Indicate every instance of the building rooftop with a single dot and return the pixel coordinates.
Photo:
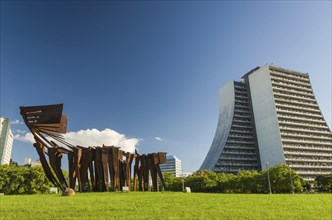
(172, 157)
(275, 68)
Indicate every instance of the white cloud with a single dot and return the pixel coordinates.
(28, 137)
(20, 131)
(93, 137)
(159, 138)
(16, 122)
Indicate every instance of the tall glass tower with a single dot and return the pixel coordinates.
(270, 116)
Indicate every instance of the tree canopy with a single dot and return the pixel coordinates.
(324, 183)
(283, 180)
(23, 180)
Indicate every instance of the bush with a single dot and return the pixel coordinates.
(244, 182)
(23, 180)
(324, 183)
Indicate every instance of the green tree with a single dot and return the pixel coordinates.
(226, 183)
(324, 183)
(202, 181)
(23, 180)
(172, 183)
(247, 182)
(284, 180)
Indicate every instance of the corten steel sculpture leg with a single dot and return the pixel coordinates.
(141, 174)
(152, 161)
(86, 160)
(136, 170)
(145, 171)
(77, 166)
(122, 166)
(71, 172)
(111, 167)
(121, 169)
(83, 169)
(99, 170)
(55, 161)
(129, 160)
(105, 151)
(47, 169)
(162, 159)
(92, 169)
(55, 156)
(116, 168)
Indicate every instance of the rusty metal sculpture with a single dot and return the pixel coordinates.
(105, 168)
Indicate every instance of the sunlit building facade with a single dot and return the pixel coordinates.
(270, 116)
(6, 141)
(173, 165)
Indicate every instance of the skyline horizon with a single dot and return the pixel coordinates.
(134, 141)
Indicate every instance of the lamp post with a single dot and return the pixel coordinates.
(291, 179)
(182, 175)
(268, 177)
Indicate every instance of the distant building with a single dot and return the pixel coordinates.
(35, 163)
(27, 161)
(6, 141)
(173, 165)
(270, 117)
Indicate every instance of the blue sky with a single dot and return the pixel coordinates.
(151, 70)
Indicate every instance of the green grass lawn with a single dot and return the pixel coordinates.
(167, 205)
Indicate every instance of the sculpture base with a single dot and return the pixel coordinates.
(68, 192)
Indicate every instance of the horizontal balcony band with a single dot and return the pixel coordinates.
(240, 147)
(242, 121)
(239, 153)
(292, 91)
(310, 137)
(307, 167)
(305, 109)
(307, 142)
(241, 126)
(316, 115)
(326, 149)
(307, 160)
(239, 106)
(325, 132)
(238, 165)
(241, 136)
(302, 124)
(244, 116)
(222, 158)
(291, 80)
(292, 86)
(283, 100)
(287, 75)
(240, 142)
(242, 111)
(312, 154)
(313, 173)
(241, 131)
(298, 97)
(294, 118)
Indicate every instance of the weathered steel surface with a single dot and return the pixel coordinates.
(105, 168)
